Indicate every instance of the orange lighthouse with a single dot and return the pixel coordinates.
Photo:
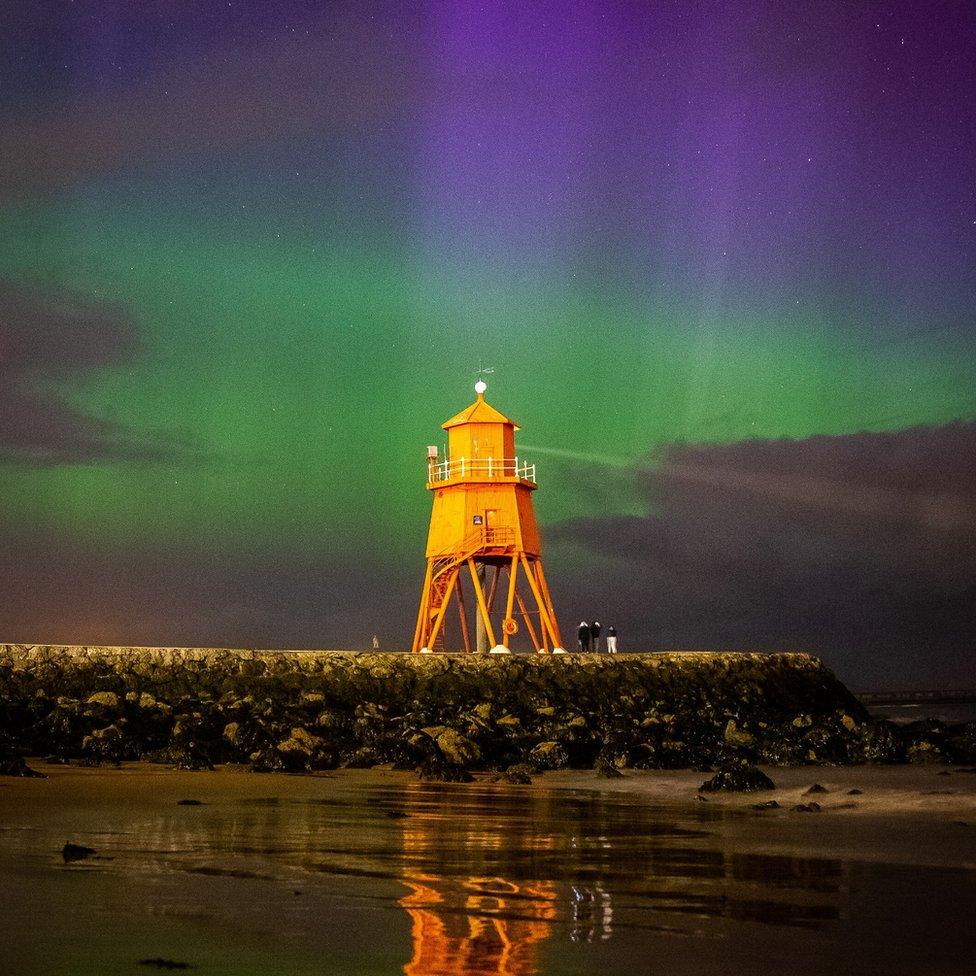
(483, 538)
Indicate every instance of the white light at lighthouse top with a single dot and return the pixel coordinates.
(480, 387)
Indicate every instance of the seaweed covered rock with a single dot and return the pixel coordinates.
(108, 744)
(455, 749)
(734, 736)
(960, 743)
(192, 744)
(104, 700)
(606, 768)
(878, 742)
(435, 768)
(445, 754)
(924, 741)
(548, 755)
(304, 751)
(519, 774)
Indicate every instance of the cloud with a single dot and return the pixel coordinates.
(336, 80)
(861, 548)
(47, 340)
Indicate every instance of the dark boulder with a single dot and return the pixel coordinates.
(303, 751)
(435, 769)
(924, 741)
(103, 701)
(76, 852)
(738, 779)
(265, 761)
(193, 740)
(607, 769)
(519, 774)
(960, 743)
(363, 758)
(879, 743)
(109, 744)
(548, 755)
(455, 749)
(16, 766)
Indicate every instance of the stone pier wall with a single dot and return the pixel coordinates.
(441, 714)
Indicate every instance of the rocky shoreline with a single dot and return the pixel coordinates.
(445, 716)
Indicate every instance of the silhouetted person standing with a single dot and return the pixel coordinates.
(612, 639)
(595, 635)
(583, 636)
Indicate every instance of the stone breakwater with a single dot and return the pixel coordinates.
(444, 716)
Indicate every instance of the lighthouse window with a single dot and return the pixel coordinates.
(478, 520)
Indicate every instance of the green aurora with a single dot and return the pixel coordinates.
(301, 382)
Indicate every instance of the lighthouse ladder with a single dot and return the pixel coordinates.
(443, 574)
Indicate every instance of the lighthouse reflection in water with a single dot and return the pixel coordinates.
(489, 923)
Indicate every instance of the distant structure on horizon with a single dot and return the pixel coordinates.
(483, 525)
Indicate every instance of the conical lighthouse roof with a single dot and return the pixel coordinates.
(480, 412)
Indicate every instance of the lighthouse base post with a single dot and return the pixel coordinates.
(442, 586)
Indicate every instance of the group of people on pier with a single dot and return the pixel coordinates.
(588, 637)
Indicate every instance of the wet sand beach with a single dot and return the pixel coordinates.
(377, 872)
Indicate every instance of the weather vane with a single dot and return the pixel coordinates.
(482, 372)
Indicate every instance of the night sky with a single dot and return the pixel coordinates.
(721, 257)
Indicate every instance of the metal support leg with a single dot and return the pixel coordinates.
(544, 623)
(479, 593)
(439, 619)
(536, 643)
(544, 587)
(462, 616)
(494, 589)
(420, 631)
(512, 573)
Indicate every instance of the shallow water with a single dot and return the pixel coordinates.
(901, 713)
(353, 875)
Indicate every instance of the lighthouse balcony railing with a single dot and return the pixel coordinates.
(453, 468)
(497, 536)
(486, 537)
